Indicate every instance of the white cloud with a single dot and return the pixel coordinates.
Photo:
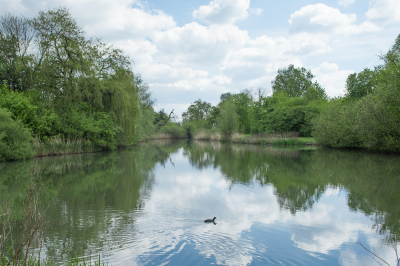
(345, 2)
(107, 19)
(223, 11)
(256, 63)
(384, 11)
(13, 7)
(194, 44)
(119, 19)
(331, 78)
(322, 19)
(256, 11)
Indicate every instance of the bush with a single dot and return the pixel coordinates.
(174, 129)
(14, 138)
(292, 119)
(190, 129)
(19, 106)
(43, 122)
(337, 127)
(97, 127)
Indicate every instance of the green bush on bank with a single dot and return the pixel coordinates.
(174, 130)
(14, 138)
(42, 122)
(292, 119)
(371, 120)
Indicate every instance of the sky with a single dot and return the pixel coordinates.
(190, 50)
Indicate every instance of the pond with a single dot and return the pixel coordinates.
(147, 205)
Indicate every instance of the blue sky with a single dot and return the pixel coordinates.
(186, 50)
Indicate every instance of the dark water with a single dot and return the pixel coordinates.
(146, 206)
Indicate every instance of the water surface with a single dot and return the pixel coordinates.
(146, 205)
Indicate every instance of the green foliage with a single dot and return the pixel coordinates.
(190, 129)
(20, 106)
(360, 84)
(292, 119)
(16, 64)
(197, 111)
(336, 127)
(212, 119)
(72, 87)
(315, 93)
(174, 130)
(287, 142)
(372, 119)
(243, 102)
(121, 101)
(42, 122)
(95, 126)
(14, 138)
(227, 120)
(293, 81)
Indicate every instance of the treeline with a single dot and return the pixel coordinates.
(295, 102)
(63, 92)
(367, 116)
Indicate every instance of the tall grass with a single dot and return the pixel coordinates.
(275, 139)
(203, 134)
(59, 145)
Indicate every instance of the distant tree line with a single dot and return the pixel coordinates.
(367, 116)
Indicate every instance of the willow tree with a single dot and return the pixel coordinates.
(85, 74)
(227, 121)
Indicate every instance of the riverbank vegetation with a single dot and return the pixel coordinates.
(367, 116)
(62, 92)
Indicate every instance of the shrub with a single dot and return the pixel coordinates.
(336, 127)
(14, 138)
(97, 127)
(43, 122)
(174, 130)
(292, 119)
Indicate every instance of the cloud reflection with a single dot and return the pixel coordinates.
(172, 222)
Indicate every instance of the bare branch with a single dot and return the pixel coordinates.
(358, 242)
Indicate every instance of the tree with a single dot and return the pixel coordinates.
(243, 103)
(293, 81)
(315, 92)
(227, 121)
(212, 119)
(14, 138)
(16, 37)
(359, 85)
(197, 111)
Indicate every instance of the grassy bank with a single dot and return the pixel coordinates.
(285, 139)
(59, 146)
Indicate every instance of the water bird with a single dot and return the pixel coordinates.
(210, 220)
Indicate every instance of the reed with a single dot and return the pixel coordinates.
(274, 139)
(59, 146)
(212, 135)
